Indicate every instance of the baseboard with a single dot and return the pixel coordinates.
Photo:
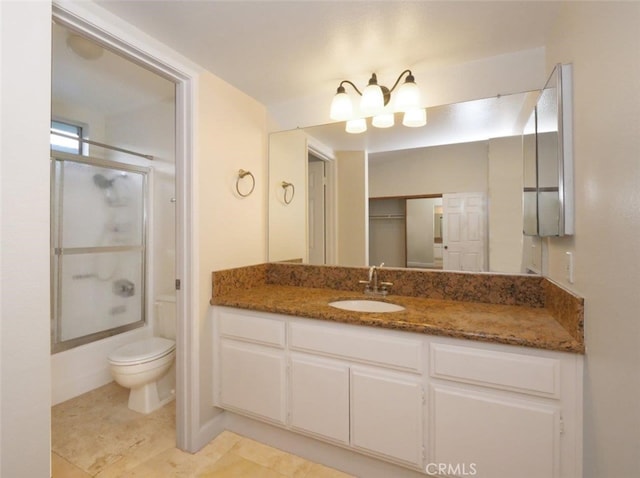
(68, 389)
(207, 432)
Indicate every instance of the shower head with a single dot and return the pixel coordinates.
(102, 182)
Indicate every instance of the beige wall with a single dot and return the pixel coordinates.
(288, 222)
(505, 204)
(353, 208)
(231, 132)
(603, 43)
(439, 169)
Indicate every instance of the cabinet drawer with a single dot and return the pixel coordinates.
(364, 346)
(252, 329)
(518, 372)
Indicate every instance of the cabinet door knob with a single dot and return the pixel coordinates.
(446, 247)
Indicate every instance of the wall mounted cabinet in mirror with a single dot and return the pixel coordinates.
(554, 150)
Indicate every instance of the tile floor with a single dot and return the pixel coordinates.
(96, 435)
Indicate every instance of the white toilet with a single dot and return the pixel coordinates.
(142, 364)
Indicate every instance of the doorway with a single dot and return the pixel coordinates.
(317, 207)
(181, 201)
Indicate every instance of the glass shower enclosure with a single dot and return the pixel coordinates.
(98, 249)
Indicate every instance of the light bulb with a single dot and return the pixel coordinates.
(415, 118)
(384, 120)
(355, 126)
(372, 102)
(408, 96)
(341, 106)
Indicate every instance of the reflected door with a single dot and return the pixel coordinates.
(464, 240)
(316, 212)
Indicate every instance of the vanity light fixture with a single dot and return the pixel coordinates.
(375, 101)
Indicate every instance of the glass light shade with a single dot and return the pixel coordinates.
(341, 107)
(384, 120)
(408, 97)
(355, 126)
(372, 101)
(415, 118)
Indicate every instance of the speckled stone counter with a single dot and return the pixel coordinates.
(518, 310)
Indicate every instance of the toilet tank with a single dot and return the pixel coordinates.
(165, 325)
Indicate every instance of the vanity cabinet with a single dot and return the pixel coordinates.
(499, 434)
(409, 399)
(503, 412)
(387, 414)
(252, 368)
(319, 397)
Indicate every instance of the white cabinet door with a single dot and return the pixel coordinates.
(319, 400)
(464, 235)
(253, 379)
(386, 414)
(496, 434)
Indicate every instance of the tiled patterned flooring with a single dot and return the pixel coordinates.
(95, 434)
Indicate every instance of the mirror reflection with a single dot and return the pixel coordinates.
(444, 196)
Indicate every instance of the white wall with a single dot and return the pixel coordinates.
(602, 41)
(439, 169)
(25, 29)
(505, 204)
(353, 208)
(420, 231)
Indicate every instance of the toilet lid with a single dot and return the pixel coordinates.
(142, 350)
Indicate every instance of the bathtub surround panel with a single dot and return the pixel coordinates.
(515, 310)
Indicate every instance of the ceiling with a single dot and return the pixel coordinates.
(276, 51)
(98, 84)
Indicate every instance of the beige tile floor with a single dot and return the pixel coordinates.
(96, 435)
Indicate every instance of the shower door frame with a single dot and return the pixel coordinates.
(57, 252)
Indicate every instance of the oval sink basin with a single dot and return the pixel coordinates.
(366, 306)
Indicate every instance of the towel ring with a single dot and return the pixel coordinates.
(241, 174)
(285, 185)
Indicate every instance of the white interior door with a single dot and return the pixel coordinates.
(316, 222)
(465, 232)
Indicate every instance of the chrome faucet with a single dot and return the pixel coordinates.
(373, 287)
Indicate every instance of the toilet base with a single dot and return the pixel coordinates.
(145, 399)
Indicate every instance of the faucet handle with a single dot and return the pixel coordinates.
(367, 282)
(386, 284)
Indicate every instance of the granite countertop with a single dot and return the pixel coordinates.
(506, 324)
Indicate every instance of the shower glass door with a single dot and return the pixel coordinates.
(98, 249)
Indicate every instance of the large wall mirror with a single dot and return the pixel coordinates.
(444, 196)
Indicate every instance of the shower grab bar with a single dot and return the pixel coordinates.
(103, 145)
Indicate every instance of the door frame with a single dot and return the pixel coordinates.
(107, 30)
(320, 151)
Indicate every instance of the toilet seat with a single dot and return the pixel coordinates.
(142, 351)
